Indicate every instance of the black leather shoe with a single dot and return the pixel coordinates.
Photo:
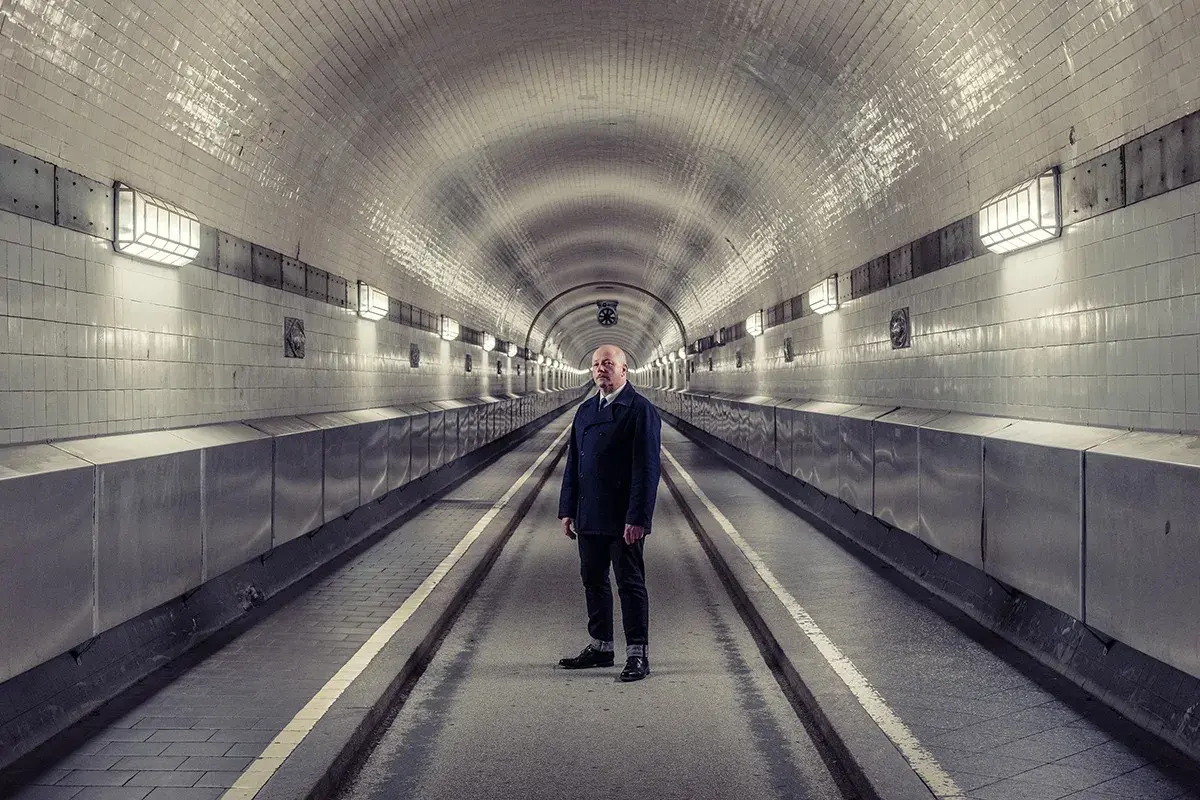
(590, 657)
(636, 668)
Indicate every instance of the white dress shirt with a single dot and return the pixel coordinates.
(606, 399)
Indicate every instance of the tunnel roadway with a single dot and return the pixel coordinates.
(494, 716)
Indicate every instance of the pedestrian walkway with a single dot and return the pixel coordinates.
(1001, 726)
(494, 716)
(189, 730)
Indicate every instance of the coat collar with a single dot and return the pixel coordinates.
(601, 415)
(624, 398)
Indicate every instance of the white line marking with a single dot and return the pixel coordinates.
(262, 768)
(920, 759)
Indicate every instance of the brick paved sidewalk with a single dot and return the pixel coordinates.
(187, 731)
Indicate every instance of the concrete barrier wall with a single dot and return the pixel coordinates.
(99, 531)
(1102, 524)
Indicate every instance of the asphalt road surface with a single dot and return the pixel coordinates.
(494, 716)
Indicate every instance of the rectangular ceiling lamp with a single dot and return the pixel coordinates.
(823, 297)
(1022, 216)
(754, 324)
(489, 342)
(154, 229)
(372, 302)
(512, 350)
(449, 328)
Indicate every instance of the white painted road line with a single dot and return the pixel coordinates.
(262, 768)
(921, 760)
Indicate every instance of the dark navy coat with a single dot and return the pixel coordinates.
(611, 478)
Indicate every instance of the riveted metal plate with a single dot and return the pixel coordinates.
(1163, 159)
(958, 241)
(316, 282)
(395, 310)
(844, 287)
(339, 291)
(900, 264)
(26, 185)
(83, 204)
(927, 254)
(292, 272)
(880, 278)
(860, 281)
(234, 258)
(209, 245)
(1094, 187)
(267, 266)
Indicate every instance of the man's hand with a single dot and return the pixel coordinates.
(633, 533)
(567, 527)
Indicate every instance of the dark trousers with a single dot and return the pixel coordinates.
(596, 553)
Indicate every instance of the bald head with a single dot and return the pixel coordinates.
(609, 367)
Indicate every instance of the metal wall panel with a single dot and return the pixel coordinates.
(399, 451)
(292, 272)
(48, 498)
(825, 430)
(341, 446)
(950, 496)
(856, 456)
(234, 257)
(1143, 544)
(419, 439)
(1094, 187)
(960, 241)
(900, 265)
(373, 452)
(236, 468)
(83, 204)
(1033, 509)
(316, 282)
(339, 291)
(267, 266)
(1163, 159)
(148, 522)
(785, 416)
(896, 466)
(26, 185)
(760, 413)
(437, 437)
(299, 463)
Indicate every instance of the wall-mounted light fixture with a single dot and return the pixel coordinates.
(754, 324)
(489, 342)
(154, 229)
(449, 328)
(1022, 216)
(541, 359)
(512, 350)
(682, 353)
(372, 303)
(823, 297)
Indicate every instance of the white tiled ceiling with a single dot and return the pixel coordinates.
(479, 157)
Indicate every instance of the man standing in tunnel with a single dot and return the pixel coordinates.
(606, 504)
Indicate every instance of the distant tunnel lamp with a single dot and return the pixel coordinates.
(754, 324)
(154, 229)
(541, 359)
(1022, 216)
(823, 297)
(512, 350)
(682, 353)
(372, 302)
(449, 329)
(489, 342)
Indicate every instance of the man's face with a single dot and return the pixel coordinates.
(608, 369)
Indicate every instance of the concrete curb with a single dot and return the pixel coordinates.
(317, 766)
(874, 765)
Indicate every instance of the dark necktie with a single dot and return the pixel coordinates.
(603, 402)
